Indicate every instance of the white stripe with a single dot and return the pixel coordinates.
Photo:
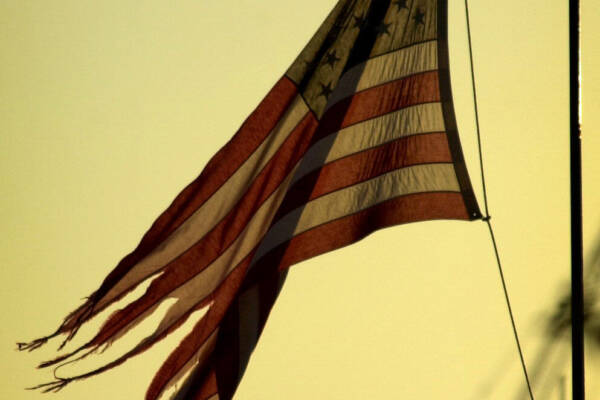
(199, 358)
(215, 208)
(341, 203)
(204, 283)
(422, 118)
(386, 68)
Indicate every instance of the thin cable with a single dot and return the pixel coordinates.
(512, 318)
(485, 201)
(487, 217)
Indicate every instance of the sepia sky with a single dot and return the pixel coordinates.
(108, 109)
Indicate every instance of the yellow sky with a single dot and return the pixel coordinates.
(108, 109)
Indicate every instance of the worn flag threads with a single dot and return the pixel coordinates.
(358, 135)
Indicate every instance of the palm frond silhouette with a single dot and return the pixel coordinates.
(552, 357)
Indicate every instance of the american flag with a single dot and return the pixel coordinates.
(359, 134)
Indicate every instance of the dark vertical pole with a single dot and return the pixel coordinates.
(576, 210)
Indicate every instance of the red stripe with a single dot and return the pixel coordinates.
(204, 252)
(209, 389)
(349, 229)
(223, 296)
(222, 165)
(374, 162)
(359, 167)
(380, 100)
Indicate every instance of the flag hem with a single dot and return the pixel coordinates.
(460, 166)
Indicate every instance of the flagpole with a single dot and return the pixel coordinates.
(577, 301)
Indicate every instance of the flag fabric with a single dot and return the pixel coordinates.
(359, 134)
